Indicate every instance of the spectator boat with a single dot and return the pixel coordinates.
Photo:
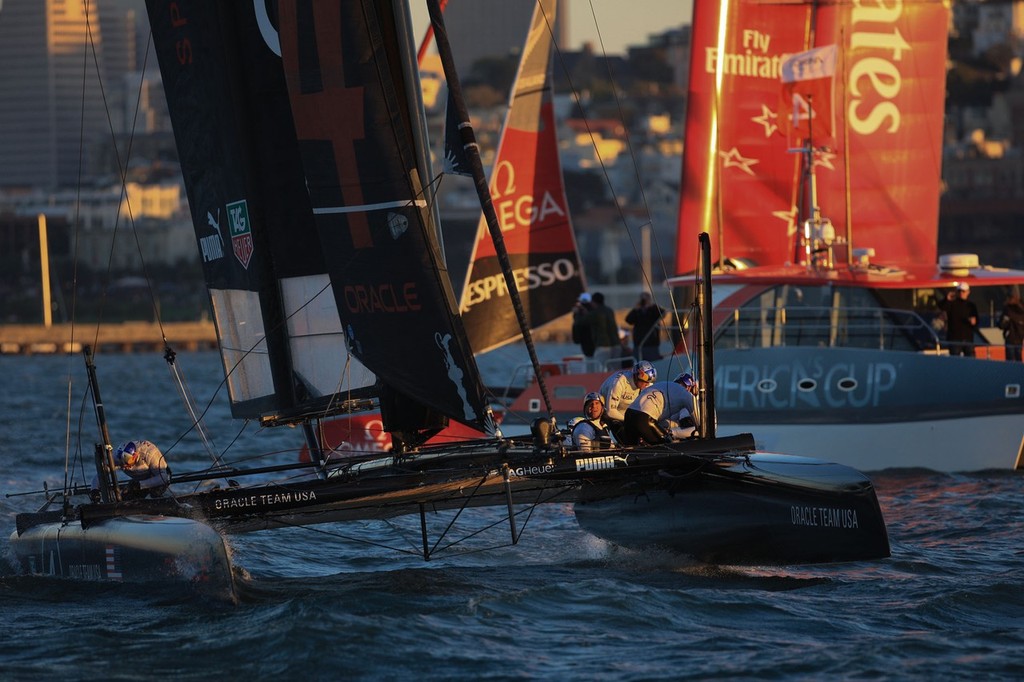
(828, 327)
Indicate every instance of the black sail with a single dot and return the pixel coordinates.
(281, 338)
(355, 105)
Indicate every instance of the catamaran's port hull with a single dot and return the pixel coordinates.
(759, 510)
(130, 549)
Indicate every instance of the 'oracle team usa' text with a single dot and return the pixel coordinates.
(249, 501)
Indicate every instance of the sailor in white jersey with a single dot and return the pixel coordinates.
(621, 389)
(662, 412)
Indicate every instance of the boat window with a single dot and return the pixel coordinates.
(825, 316)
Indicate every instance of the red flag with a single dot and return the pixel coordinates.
(808, 80)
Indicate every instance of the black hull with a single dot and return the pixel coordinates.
(715, 500)
(761, 509)
(128, 549)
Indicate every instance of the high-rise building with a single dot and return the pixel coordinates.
(54, 55)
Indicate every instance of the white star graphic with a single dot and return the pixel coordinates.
(790, 218)
(766, 119)
(734, 158)
(824, 158)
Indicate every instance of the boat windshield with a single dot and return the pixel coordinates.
(824, 316)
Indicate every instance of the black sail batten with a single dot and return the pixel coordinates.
(281, 339)
(365, 180)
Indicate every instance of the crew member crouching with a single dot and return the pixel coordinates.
(145, 465)
(663, 412)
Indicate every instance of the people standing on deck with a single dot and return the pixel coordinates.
(591, 432)
(961, 320)
(581, 325)
(645, 317)
(604, 330)
(620, 390)
(145, 465)
(1012, 324)
(663, 412)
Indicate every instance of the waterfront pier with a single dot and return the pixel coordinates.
(121, 337)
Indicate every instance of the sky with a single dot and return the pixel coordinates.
(621, 23)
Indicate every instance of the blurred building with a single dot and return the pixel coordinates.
(53, 125)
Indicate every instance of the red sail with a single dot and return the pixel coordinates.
(529, 199)
(878, 181)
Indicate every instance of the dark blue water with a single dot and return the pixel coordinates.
(332, 602)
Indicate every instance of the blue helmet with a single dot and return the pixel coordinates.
(591, 397)
(644, 371)
(126, 453)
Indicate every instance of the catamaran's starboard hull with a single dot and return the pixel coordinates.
(131, 549)
(762, 509)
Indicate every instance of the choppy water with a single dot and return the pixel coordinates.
(314, 605)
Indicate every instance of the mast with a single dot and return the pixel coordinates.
(472, 152)
(105, 469)
(705, 342)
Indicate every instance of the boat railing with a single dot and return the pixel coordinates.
(523, 376)
(866, 327)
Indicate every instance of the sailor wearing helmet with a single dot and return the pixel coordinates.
(591, 432)
(662, 412)
(621, 389)
(145, 465)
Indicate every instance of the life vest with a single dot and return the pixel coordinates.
(602, 437)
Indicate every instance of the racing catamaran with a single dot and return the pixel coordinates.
(301, 141)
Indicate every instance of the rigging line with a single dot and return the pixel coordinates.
(68, 485)
(646, 275)
(657, 248)
(597, 153)
(528, 510)
(124, 195)
(636, 166)
(190, 404)
(415, 551)
(122, 170)
(483, 191)
(77, 229)
(458, 513)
